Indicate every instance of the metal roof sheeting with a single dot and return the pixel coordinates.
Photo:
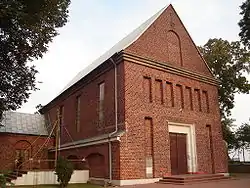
(23, 123)
(124, 43)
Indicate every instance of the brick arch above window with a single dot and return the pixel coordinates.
(174, 48)
(23, 144)
(96, 163)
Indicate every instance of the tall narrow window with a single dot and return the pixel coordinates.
(197, 99)
(147, 89)
(158, 91)
(189, 98)
(169, 94)
(210, 145)
(149, 147)
(61, 115)
(205, 101)
(78, 113)
(179, 96)
(60, 122)
(101, 103)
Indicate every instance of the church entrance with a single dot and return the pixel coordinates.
(178, 153)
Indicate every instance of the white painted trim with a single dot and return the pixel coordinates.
(130, 182)
(225, 174)
(149, 170)
(188, 129)
(90, 143)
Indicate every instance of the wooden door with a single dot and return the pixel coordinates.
(178, 153)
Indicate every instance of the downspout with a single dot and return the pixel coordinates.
(116, 120)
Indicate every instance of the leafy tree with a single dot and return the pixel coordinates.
(243, 135)
(243, 138)
(228, 134)
(230, 63)
(38, 107)
(64, 171)
(26, 28)
(245, 23)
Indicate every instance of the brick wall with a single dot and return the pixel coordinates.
(9, 143)
(139, 106)
(89, 125)
(89, 101)
(167, 41)
(148, 93)
(97, 159)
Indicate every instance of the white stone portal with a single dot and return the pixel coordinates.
(189, 130)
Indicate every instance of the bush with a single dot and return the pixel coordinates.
(64, 170)
(3, 181)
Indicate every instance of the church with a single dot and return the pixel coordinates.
(145, 109)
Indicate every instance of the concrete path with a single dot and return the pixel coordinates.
(238, 182)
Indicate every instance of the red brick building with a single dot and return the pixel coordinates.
(22, 136)
(147, 107)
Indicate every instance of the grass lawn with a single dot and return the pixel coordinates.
(56, 186)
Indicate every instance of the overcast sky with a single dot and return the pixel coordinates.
(96, 25)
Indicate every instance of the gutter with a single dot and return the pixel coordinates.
(116, 120)
(90, 143)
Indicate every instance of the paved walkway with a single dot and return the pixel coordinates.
(242, 182)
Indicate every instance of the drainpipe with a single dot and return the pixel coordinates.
(116, 120)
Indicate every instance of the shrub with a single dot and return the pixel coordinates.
(64, 170)
(3, 181)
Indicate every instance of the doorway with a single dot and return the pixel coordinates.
(178, 153)
(182, 137)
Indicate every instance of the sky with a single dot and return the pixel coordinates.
(96, 25)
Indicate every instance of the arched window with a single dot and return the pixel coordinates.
(22, 154)
(96, 162)
(174, 48)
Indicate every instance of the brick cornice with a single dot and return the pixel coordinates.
(128, 56)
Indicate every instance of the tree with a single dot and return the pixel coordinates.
(230, 63)
(64, 171)
(38, 107)
(245, 23)
(243, 138)
(228, 134)
(26, 28)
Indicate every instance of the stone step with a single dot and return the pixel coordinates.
(97, 181)
(20, 171)
(192, 176)
(189, 179)
(8, 179)
(15, 174)
(11, 176)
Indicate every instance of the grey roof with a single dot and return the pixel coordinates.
(121, 45)
(79, 143)
(23, 123)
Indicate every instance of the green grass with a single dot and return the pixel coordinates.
(56, 186)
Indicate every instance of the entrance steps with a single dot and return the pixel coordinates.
(14, 175)
(192, 178)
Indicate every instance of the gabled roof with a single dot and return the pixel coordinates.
(23, 123)
(121, 45)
